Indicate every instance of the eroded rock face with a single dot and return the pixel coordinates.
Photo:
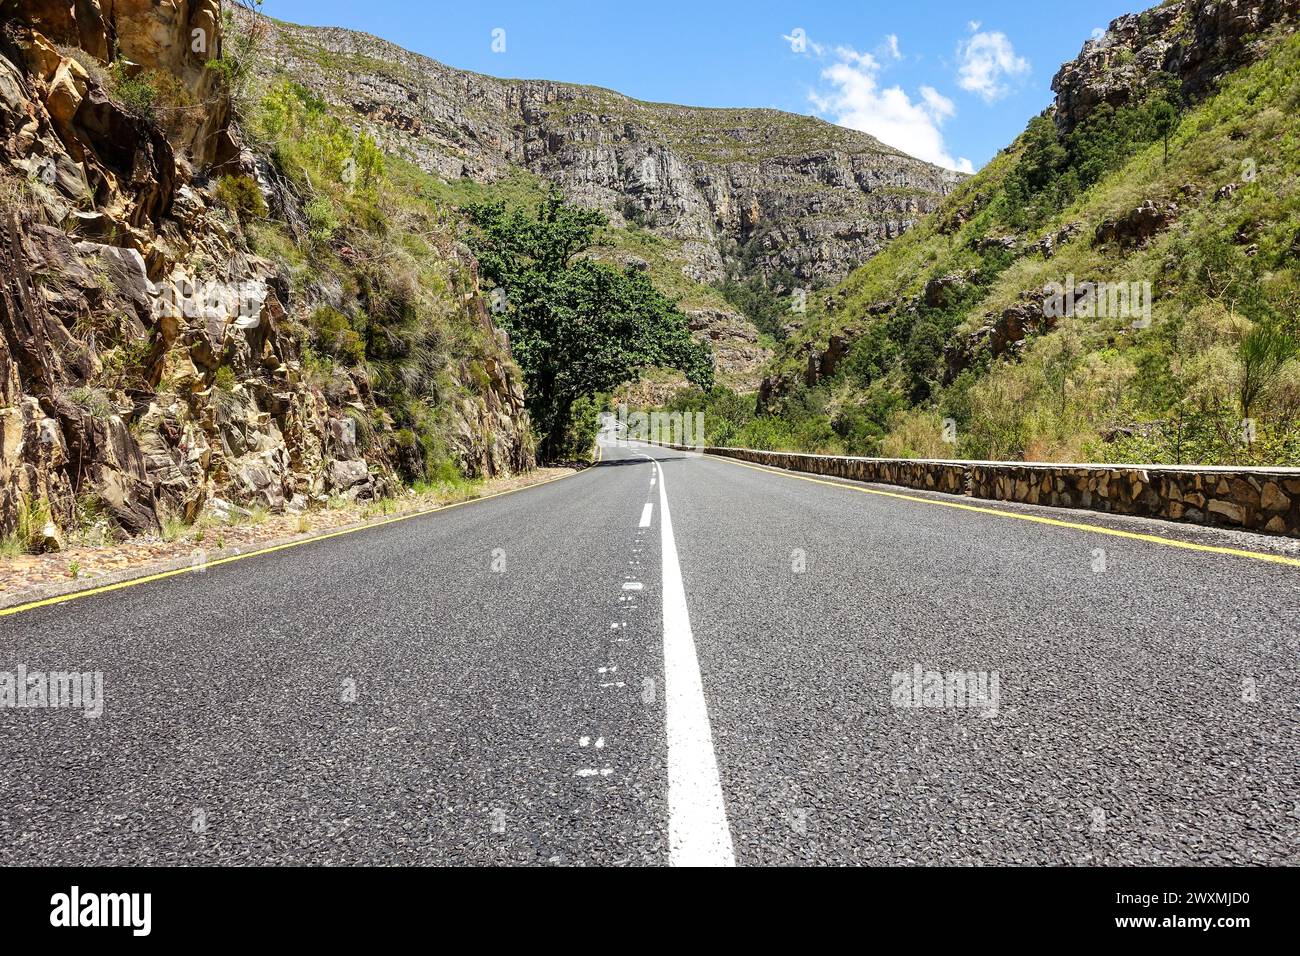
(754, 192)
(147, 367)
(1195, 40)
(1003, 334)
(740, 357)
(806, 197)
(178, 37)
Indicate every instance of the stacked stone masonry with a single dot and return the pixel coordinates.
(1254, 499)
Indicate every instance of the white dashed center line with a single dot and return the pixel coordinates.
(645, 514)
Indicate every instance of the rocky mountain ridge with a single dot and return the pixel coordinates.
(801, 195)
(1196, 41)
(739, 193)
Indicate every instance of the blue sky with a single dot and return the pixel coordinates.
(947, 81)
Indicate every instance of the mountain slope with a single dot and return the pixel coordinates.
(757, 195)
(961, 319)
(813, 198)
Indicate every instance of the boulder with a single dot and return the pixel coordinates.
(342, 476)
(1138, 225)
(48, 540)
(942, 291)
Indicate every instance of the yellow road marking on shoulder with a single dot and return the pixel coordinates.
(177, 572)
(1036, 519)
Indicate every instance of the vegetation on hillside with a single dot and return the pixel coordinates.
(1215, 377)
(377, 237)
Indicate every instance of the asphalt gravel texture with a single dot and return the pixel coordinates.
(476, 686)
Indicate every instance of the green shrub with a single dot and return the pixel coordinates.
(584, 422)
(764, 300)
(322, 219)
(1052, 169)
(95, 402)
(153, 95)
(33, 514)
(332, 334)
(242, 196)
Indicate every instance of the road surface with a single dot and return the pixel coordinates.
(574, 675)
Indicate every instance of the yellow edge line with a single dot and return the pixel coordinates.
(1037, 519)
(161, 576)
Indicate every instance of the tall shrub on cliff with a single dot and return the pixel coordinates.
(578, 327)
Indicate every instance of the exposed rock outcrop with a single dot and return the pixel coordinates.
(1198, 41)
(178, 39)
(740, 357)
(797, 193)
(1003, 333)
(148, 362)
(1138, 225)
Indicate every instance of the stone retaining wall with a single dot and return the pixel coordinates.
(1257, 499)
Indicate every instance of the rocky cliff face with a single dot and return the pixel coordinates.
(176, 38)
(1198, 41)
(799, 194)
(148, 361)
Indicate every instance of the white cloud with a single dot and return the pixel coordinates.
(857, 100)
(987, 60)
(890, 47)
(864, 61)
(940, 106)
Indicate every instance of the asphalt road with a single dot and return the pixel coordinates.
(554, 677)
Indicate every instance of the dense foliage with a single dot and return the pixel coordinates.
(1053, 170)
(578, 327)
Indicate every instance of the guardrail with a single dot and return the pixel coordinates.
(1255, 499)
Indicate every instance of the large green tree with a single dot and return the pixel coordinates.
(577, 327)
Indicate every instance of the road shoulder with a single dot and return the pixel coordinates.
(34, 579)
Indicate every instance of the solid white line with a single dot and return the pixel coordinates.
(645, 514)
(698, 834)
